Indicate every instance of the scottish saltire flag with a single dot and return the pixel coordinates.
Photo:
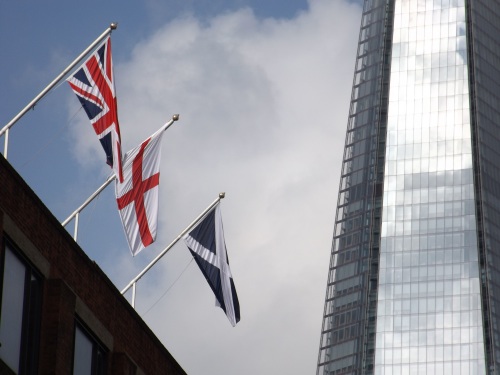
(207, 245)
(137, 195)
(94, 85)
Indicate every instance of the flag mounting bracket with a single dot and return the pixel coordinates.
(110, 179)
(50, 86)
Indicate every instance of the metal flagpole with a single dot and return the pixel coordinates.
(111, 178)
(76, 213)
(5, 129)
(153, 262)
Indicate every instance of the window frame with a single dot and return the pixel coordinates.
(32, 309)
(99, 350)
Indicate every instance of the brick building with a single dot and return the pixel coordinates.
(60, 314)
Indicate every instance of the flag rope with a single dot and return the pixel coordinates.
(168, 289)
(132, 283)
(51, 140)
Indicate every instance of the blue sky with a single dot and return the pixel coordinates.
(262, 89)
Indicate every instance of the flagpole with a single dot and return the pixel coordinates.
(5, 129)
(110, 179)
(76, 213)
(159, 256)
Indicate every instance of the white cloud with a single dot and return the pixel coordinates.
(263, 106)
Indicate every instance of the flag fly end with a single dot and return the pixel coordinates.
(208, 248)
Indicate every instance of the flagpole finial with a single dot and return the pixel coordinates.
(175, 117)
(222, 195)
(113, 26)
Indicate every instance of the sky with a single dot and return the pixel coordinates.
(262, 89)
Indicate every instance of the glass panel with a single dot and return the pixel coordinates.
(484, 18)
(83, 353)
(429, 151)
(358, 210)
(12, 310)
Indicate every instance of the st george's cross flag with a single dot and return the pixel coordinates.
(94, 85)
(137, 195)
(207, 245)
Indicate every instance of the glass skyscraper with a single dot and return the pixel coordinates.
(414, 278)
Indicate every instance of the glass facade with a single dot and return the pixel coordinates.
(415, 260)
(429, 301)
(484, 76)
(89, 356)
(21, 294)
(347, 339)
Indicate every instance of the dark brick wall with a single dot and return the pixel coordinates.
(57, 333)
(74, 276)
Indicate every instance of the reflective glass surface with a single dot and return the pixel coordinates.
(345, 346)
(429, 318)
(82, 361)
(20, 314)
(484, 69)
(12, 310)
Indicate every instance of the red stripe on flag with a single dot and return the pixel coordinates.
(136, 195)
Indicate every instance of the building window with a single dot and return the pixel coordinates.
(20, 314)
(89, 355)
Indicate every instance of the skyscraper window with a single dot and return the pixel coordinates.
(414, 266)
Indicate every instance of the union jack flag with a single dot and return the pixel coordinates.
(94, 86)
